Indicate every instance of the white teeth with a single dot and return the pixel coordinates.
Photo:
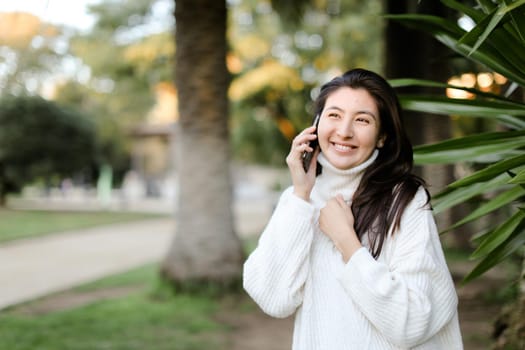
(342, 148)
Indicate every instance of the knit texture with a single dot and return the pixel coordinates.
(403, 300)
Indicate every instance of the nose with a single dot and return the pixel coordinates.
(346, 128)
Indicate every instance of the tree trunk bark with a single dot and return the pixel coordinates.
(2, 194)
(520, 319)
(402, 61)
(205, 248)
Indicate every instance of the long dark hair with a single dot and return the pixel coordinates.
(388, 185)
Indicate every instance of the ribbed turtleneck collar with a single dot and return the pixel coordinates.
(333, 181)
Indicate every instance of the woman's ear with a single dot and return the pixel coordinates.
(381, 141)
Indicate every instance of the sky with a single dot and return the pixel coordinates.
(68, 12)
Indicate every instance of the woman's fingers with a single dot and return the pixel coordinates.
(303, 139)
(341, 201)
(301, 144)
(302, 147)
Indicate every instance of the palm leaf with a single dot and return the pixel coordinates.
(499, 201)
(472, 148)
(497, 41)
(490, 171)
(493, 20)
(516, 241)
(428, 23)
(474, 108)
(472, 139)
(487, 5)
(499, 235)
(519, 178)
(448, 33)
(448, 199)
(511, 122)
(476, 15)
(396, 83)
(477, 154)
(480, 236)
(518, 20)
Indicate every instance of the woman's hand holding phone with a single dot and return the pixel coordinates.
(303, 179)
(307, 155)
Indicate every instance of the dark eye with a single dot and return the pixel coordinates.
(333, 115)
(363, 120)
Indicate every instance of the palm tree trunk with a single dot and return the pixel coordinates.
(520, 319)
(205, 248)
(509, 327)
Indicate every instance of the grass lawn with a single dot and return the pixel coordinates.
(148, 315)
(150, 318)
(16, 224)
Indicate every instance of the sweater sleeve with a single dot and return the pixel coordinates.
(275, 272)
(412, 297)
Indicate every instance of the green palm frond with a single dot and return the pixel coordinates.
(497, 41)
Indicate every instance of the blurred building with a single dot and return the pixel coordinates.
(152, 144)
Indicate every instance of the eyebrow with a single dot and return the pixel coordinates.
(358, 112)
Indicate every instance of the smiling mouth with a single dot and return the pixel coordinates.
(343, 148)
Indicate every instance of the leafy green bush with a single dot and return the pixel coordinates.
(39, 140)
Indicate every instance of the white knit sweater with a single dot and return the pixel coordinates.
(403, 300)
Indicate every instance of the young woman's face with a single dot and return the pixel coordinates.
(349, 127)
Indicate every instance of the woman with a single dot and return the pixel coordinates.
(352, 248)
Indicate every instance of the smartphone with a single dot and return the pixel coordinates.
(307, 156)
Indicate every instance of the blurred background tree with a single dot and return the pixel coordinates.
(206, 250)
(281, 53)
(126, 55)
(41, 141)
(277, 64)
(30, 52)
(109, 72)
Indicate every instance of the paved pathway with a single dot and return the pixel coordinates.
(31, 268)
(35, 267)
